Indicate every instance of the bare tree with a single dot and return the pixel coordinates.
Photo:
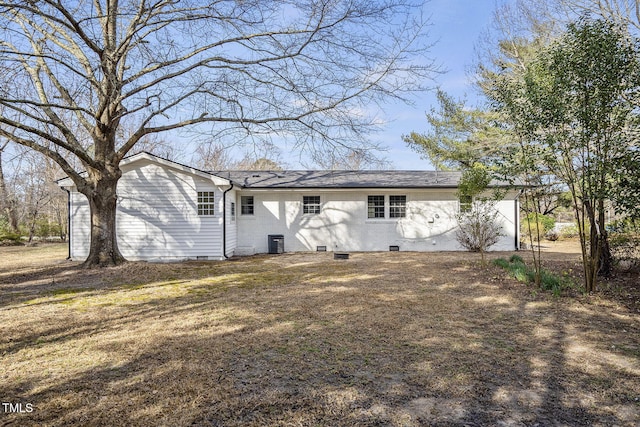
(213, 157)
(479, 228)
(55, 212)
(354, 159)
(8, 200)
(35, 197)
(82, 70)
(622, 12)
(40, 206)
(260, 164)
(158, 145)
(216, 157)
(265, 156)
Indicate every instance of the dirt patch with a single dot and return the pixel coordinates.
(392, 338)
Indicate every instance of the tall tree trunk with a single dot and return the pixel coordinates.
(606, 260)
(7, 203)
(103, 250)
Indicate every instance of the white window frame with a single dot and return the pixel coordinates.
(398, 207)
(243, 205)
(376, 207)
(311, 207)
(382, 208)
(206, 203)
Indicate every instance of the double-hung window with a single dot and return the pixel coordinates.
(375, 207)
(310, 204)
(206, 203)
(246, 205)
(380, 207)
(397, 206)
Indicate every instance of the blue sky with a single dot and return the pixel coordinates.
(457, 25)
(456, 28)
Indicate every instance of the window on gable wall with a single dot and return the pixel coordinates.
(205, 203)
(310, 204)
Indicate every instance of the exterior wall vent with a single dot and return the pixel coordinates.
(321, 249)
(340, 255)
(394, 248)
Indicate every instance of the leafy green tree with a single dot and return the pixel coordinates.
(574, 107)
(459, 137)
(626, 197)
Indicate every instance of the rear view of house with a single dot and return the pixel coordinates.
(168, 211)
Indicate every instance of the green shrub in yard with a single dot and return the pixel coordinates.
(501, 262)
(7, 236)
(10, 238)
(550, 282)
(538, 225)
(569, 232)
(516, 259)
(518, 269)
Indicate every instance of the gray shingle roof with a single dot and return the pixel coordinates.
(343, 179)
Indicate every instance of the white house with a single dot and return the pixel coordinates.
(168, 211)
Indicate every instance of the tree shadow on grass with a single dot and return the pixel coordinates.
(348, 351)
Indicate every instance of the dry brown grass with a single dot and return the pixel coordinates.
(396, 339)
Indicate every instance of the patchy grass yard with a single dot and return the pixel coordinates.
(395, 338)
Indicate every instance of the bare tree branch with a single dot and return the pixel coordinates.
(92, 78)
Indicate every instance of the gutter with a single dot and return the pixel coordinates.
(516, 219)
(224, 221)
(68, 224)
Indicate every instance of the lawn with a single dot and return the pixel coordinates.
(398, 339)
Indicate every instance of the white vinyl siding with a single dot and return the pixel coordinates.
(232, 226)
(80, 226)
(157, 216)
(206, 203)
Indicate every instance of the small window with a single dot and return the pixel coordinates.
(246, 205)
(375, 207)
(466, 203)
(205, 203)
(233, 211)
(397, 206)
(310, 204)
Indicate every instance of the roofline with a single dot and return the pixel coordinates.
(161, 160)
(220, 175)
(346, 187)
(171, 163)
(369, 187)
